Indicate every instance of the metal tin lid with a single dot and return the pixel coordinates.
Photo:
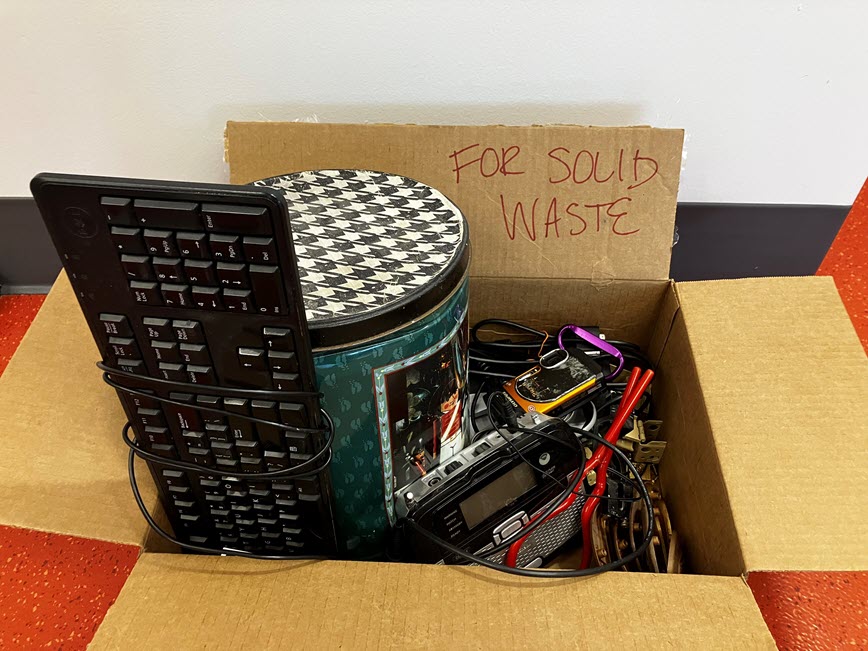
(375, 251)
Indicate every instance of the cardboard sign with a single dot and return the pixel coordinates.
(544, 202)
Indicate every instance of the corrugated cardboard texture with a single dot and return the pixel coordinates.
(623, 309)
(785, 381)
(596, 202)
(63, 466)
(181, 602)
(693, 483)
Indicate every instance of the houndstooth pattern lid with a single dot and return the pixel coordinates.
(366, 241)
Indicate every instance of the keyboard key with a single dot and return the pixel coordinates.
(197, 354)
(157, 435)
(146, 293)
(241, 428)
(248, 448)
(295, 414)
(176, 295)
(136, 366)
(207, 298)
(128, 240)
(286, 381)
(237, 300)
(260, 249)
(275, 460)
(225, 247)
(201, 374)
(188, 332)
(117, 210)
(137, 267)
(228, 464)
(298, 442)
(212, 402)
(166, 351)
(185, 417)
(124, 347)
(223, 449)
(236, 219)
(116, 324)
(167, 269)
(167, 214)
(165, 450)
(266, 410)
(173, 372)
(160, 242)
(194, 438)
(174, 477)
(200, 272)
(232, 274)
(192, 245)
(217, 431)
(157, 328)
(279, 360)
(251, 464)
(151, 417)
(267, 291)
(279, 339)
(252, 358)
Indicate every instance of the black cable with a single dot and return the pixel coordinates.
(555, 574)
(199, 548)
(209, 388)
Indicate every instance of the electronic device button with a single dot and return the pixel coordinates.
(207, 298)
(150, 417)
(157, 328)
(232, 274)
(192, 245)
(279, 360)
(137, 267)
(166, 269)
(278, 339)
(452, 467)
(172, 372)
(196, 354)
(128, 240)
(252, 220)
(293, 413)
(225, 247)
(175, 295)
(554, 358)
(237, 300)
(188, 331)
(179, 215)
(124, 347)
(201, 374)
(166, 351)
(252, 358)
(537, 562)
(286, 381)
(200, 272)
(117, 210)
(160, 242)
(508, 527)
(260, 249)
(116, 325)
(434, 481)
(265, 281)
(132, 366)
(146, 293)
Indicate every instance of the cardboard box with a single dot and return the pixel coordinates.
(761, 385)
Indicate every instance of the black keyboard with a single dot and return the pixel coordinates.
(192, 294)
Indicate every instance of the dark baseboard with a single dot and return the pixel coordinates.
(714, 241)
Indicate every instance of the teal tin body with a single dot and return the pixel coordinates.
(382, 263)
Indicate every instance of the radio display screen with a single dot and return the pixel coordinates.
(499, 493)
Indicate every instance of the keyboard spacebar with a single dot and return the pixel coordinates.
(267, 289)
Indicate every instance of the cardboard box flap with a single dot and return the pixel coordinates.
(542, 202)
(785, 381)
(178, 602)
(63, 466)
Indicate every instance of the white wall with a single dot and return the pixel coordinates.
(773, 95)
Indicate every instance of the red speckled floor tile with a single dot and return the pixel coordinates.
(16, 313)
(847, 262)
(54, 589)
(814, 610)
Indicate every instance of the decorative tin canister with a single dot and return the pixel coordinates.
(383, 264)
